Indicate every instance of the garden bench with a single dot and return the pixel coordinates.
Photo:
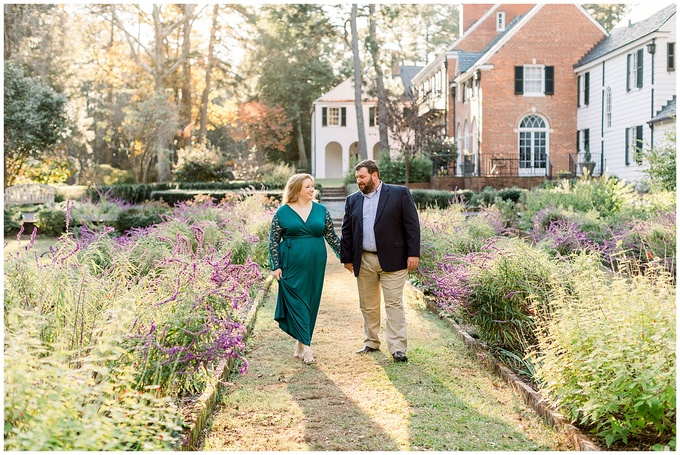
(30, 193)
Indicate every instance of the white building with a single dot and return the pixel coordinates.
(334, 126)
(626, 90)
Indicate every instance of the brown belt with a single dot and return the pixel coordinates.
(371, 252)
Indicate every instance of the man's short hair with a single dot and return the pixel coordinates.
(370, 166)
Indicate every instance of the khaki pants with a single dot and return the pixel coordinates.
(370, 280)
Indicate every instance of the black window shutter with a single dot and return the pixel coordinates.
(324, 116)
(578, 140)
(519, 80)
(371, 116)
(627, 146)
(578, 91)
(586, 89)
(638, 144)
(586, 138)
(549, 80)
(640, 59)
(628, 72)
(343, 116)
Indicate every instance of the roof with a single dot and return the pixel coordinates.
(620, 37)
(344, 92)
(467, 59)
(666, 113)
(406, 74)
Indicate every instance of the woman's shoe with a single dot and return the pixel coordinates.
(307, 356)
(299, 350)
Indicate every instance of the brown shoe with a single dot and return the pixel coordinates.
(366, 349)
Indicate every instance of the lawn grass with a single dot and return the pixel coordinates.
(41, 244)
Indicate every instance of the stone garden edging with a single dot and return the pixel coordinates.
(206, 402)
(530, 396)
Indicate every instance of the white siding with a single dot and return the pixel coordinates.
(629, 108)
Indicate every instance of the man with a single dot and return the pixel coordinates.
(380, 244)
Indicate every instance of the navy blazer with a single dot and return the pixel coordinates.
(397, 229)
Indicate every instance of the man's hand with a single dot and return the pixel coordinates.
(276, 274)
(349, 266)
(412, 262)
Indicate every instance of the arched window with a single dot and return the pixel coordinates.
(608, 108)
(533, 145)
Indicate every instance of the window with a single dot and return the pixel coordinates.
(635, 69)
(500, 21)
(634, 144)
(583, 97)
(534, 80)
(586, 89)
(373, 116)
(608, 108)
(533, 145)
(334, 116)
(670, 52)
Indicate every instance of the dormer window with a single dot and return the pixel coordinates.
(500, 21)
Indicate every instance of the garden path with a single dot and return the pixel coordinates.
(442, 399)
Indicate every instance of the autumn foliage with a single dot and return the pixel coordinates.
(263, 127)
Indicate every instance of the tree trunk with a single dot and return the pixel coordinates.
(185, 109)
(203, 126)
(304, 163)
(361, 126)
(379, 82)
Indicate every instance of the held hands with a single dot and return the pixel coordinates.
(276, 274)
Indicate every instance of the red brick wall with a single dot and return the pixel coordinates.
(472, 13)
(485, 32)
(566, 35)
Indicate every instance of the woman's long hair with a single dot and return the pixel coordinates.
(292, 190)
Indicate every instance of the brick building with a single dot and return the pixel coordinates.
(509, 91)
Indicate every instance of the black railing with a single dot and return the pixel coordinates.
(505, 166)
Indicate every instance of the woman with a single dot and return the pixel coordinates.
(297, 259)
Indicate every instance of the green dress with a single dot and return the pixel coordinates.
(298, 248)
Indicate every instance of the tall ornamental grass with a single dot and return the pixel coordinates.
(492, 290)
(449, 231)
(148, 316)
(606, 353)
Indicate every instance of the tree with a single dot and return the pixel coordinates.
(290, 61)
(608, 15)
(413, 132)
(34, 118)
(264, 128)
(358, 83)
(379, 81)
(148, 128)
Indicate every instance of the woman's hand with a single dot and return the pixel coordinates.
(277, 274)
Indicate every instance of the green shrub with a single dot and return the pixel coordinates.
(440, 199)
(140, 217)
(662, 169)
(12, 219)
(606, 353)
(172, 197)
(394, 171)
(51, 221)
(607, 196)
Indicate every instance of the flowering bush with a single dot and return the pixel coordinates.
(149, 314)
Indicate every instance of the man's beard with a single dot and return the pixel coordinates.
(368, 187)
